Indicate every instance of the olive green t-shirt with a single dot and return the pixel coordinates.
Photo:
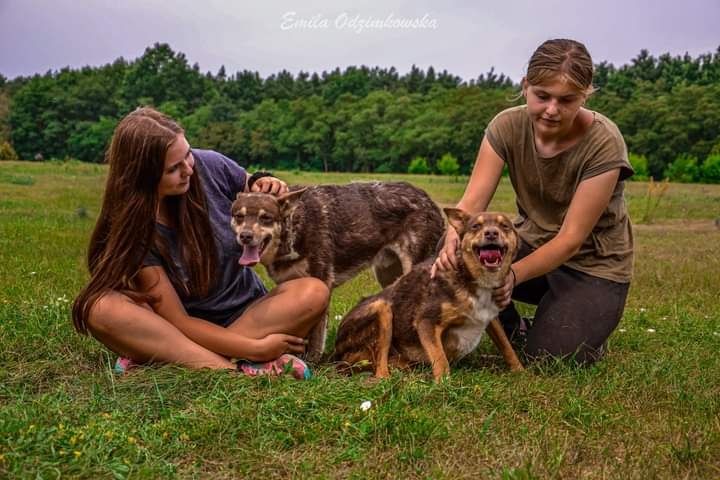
(544, 188)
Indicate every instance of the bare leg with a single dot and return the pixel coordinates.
(136, 332)
(293, 307)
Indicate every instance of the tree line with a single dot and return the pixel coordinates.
(357, 119)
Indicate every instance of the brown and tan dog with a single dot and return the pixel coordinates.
(440, 320)
(332, 232)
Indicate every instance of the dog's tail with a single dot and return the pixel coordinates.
(423, 225)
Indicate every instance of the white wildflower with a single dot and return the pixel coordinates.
(651, 330)
(338, 317)
(622, 330)
(33, 273)
(365, 406)
(643, 310)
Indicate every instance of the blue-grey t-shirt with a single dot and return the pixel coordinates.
(236, 286)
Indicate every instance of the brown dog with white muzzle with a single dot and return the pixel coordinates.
(419, 320)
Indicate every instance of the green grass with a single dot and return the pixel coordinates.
(651, 409)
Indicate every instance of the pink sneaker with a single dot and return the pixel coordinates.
(285, 363)
(123, 365)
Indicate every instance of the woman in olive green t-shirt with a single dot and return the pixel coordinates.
(567, 165)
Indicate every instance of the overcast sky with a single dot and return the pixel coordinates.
(463, 36)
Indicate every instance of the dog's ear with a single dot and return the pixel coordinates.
(288, 199)
(457, 218)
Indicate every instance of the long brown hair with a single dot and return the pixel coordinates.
(562, 56)
(125, 230)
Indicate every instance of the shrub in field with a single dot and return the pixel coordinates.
(89, 140)
(683, 169)
(7, 152)
(448, 165)
(710, 169)
(419, 165)
(655, 192)
(384, 168)
(640, 165)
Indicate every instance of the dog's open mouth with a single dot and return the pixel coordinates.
(251, 253)
(490, 255)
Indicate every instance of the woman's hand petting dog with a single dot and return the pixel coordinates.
(275, 344)
(446, 259)
(502, 294)
(271, 185)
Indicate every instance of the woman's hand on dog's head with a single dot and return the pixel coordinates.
(271, 185)
(446, 259)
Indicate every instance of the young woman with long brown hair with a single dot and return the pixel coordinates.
(165, 284)
(567, 165)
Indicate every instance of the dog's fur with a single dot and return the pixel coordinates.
(331, 232)
(440, 320)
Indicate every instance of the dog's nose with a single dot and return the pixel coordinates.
(246, 237)
(491, 234)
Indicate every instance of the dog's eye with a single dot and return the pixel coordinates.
(266, 218)
(239, 218)
(475, 227)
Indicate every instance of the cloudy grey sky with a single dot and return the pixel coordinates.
(463, 36)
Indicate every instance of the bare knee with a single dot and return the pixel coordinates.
(110, 315)
(314, 294)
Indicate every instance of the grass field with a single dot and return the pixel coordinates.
(651, 409)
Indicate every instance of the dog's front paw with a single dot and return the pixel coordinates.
(517, 367)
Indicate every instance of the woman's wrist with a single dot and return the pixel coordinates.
(254, 349)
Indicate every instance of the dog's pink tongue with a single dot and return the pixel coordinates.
(490, 257)
(250, 255)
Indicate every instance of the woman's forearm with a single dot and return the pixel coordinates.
(545, 259)
(217, 339)
(591, 197)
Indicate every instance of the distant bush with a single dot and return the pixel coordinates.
(418, 165)
(448, 165)
(710, 169)
(640, 165)
(385, 167)
(715, 149)
(683, 169)
(89, 139)
(7, 152)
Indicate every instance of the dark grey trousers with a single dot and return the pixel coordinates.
(575, 315)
